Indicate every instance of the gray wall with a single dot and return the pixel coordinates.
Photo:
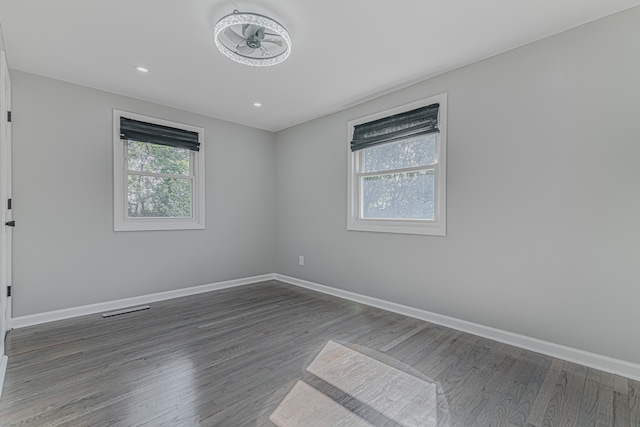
(66, 253)
(543, 196)
(1, 38)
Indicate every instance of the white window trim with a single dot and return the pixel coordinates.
(121, 221)
(436, 227)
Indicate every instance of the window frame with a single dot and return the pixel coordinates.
(435, 227)
(121, 219)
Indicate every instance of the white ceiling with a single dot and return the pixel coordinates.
(343, 51)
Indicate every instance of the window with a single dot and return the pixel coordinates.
(397, 170)
(158, 174)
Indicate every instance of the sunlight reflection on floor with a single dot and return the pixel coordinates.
(344, 387)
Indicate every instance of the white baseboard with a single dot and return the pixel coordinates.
(51, 316)
(3, 370)
(592, 360)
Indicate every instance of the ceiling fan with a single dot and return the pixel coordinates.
(252, 39)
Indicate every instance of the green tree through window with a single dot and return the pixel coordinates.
(159, 181)
(402, 194)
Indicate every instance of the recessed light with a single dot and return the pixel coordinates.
(142, 69)
(257, 104)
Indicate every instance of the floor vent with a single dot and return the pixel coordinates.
(125, 311)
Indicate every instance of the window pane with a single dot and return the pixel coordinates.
(416, 151)
(399, 196)
(145, 157)
(155, 197)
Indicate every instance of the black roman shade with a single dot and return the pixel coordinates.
(135, 130)
(421, 121)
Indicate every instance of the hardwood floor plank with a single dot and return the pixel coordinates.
(554, 412)
(541, 402)
(467, 409)
(431, 339)
(403, 337)
(589, 405)
(634, 411)
(515, 401)
(634, 389)
(574, 394)
(532, 385)
(621, 409)
(604, 411)
(566, 396)
(435, 356)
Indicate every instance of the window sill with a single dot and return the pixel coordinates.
(398, 227)
(150, 225)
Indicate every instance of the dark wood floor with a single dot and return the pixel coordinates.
(228, 358)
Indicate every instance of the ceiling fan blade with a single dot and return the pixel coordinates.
(250, 30)
(264, 51)
(233, 36)
(274, 41)
(245, 50)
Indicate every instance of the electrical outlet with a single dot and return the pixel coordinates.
(301, 260)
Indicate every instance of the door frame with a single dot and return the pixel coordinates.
(6, 213)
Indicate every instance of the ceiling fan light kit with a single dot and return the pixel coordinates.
(252, 39)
